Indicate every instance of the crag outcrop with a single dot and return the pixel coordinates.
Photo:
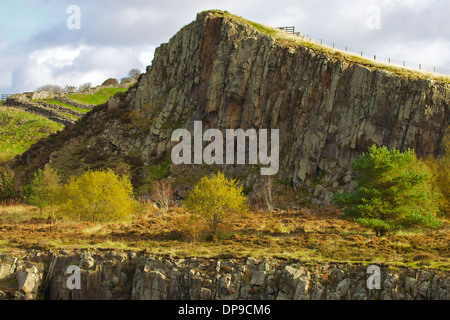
(225, 72)
(115, 275)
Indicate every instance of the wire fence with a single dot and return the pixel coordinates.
(5, 96)
(367, 55)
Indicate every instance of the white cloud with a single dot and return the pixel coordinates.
(146, 55)
(124, 34)
(57, 57)
(72, 65)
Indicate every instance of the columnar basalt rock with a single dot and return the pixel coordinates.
(230, 75)
(226, 73)
(118, 275)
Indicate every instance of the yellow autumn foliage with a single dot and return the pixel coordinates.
(215, 200)
(97, 196)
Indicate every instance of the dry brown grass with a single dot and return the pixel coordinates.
(313, 236)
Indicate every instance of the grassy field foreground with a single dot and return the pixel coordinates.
(311, 236)
(20, 129)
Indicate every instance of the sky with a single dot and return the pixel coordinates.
(71, 42)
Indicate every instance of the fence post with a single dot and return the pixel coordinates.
(404, 63)
(374, 57)
(333, 45)
(320, 41)
(361, 53)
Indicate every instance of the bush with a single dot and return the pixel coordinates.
(162, 194)
(215, 200)
(394, 192)
(43, 190)
(98, 197)
(440, 179)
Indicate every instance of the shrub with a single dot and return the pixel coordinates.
(394, 192)
(98, 197)
(43, 190)
(215, 200)
(162, 194)
(142, 118)
(440, 179)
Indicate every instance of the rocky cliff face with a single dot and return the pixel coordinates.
(230, 75)
(125, 275)
(226, 73)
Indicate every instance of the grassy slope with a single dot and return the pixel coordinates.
(19, 130)
(101, 96)
(295, 41)
(313, 237)
(66, 105)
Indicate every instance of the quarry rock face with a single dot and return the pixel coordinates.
(114, 275)
(224, 72)
(229, 75)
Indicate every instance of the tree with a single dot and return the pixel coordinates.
(394, 192)
(50, 88)
(98, 196)
(162, 194)
(216, 199)
(134, 72)
(267, 194)
(70, 89)
(440, 178)
(110, 82)
(43, 190)
(8, 192)
(84, 87)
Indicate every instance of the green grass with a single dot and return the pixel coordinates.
(294, 41)
(101, 96)
(66, 105)
(70, 116)
(20, 129)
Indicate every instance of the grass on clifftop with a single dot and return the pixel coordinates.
(101, 96)
(20, 129)
(295, 41)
